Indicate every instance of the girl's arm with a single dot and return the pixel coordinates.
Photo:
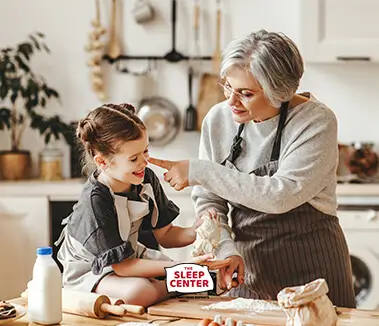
(137, 267)
(172, 236)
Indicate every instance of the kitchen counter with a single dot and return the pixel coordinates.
(347, 317)
(67, 189)
(70, 189)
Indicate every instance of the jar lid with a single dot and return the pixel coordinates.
(51, 152)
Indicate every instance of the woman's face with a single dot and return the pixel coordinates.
(245, 97)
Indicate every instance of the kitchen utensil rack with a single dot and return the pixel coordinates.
(172, 56)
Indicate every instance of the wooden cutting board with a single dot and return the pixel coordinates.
(210, 93)
(191, 308)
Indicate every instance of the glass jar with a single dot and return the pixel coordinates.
(363, 161)
(51, 164)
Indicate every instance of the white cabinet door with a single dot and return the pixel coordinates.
(24, 226)
(339, 30)
(185, 219)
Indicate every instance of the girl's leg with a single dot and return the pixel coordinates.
(133, 290)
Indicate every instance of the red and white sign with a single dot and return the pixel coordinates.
(188, 278)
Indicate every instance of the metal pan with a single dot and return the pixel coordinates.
(162, 119)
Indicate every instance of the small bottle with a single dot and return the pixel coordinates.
(45, 290)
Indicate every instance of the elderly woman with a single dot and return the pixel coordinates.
(268, 156)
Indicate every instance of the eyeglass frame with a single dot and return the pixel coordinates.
(240, 96)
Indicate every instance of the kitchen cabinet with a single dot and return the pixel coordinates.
(24, 226)
(339, 30)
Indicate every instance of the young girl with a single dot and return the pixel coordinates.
(100, 252)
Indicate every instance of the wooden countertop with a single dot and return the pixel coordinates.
(347, 317)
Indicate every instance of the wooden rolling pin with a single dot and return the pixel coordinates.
(87, 304)
(130, 308)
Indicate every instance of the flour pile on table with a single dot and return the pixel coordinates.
(249, 305)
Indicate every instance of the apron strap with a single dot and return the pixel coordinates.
(235, 149)
(278, 136)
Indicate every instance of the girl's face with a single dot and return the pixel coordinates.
(128, 165)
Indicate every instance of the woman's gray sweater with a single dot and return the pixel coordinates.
(307, 165)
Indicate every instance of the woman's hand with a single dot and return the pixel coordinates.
(226, 274)
(177, 172)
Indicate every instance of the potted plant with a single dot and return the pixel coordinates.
(23, 97)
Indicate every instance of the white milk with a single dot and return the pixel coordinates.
(45, 290)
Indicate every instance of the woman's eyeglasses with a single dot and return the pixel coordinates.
(245, 97)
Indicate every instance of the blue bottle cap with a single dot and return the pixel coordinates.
(44, 251)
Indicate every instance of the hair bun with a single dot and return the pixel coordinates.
(128, 107)
(86, 131)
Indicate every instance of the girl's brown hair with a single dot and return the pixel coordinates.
(105, 129)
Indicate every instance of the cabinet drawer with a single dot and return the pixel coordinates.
(24, 226)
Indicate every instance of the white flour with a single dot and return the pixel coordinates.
(249, 305)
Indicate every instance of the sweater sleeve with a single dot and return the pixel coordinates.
(204, 200)
(302, 174)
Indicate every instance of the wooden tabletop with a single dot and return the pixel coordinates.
(347, 317)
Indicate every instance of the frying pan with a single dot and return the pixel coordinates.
(162, 119)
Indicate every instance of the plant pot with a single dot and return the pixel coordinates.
(15, 165)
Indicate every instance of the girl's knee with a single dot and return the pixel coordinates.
(143, 292)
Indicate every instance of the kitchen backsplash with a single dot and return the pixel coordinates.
(351, 90)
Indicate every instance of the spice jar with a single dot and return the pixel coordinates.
(50, 164)
(362, 160)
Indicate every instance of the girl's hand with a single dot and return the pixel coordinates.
(200, 260)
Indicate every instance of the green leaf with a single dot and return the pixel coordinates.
(22, 64)
(35, 42)
(11, 67)
(6, 50)
(5, 118)
(47, 138)
(4, 89)
(41, 35)
(46, 48)
(50, 92)
(26, 49)
(14, 97)
(43, 102)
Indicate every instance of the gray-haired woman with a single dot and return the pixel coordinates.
(271, 154)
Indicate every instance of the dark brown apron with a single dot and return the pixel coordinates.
(289, 249)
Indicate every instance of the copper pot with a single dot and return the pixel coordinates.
(15, 165)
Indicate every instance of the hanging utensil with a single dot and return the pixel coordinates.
(114, 49)
(173, 55)
(162, 119)
(190, 123)
(143, 12)
(216, 60)
(209, 91)
(196, 33)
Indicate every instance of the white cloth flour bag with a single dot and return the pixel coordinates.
(308, 305)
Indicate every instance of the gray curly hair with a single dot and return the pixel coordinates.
(273, 59)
